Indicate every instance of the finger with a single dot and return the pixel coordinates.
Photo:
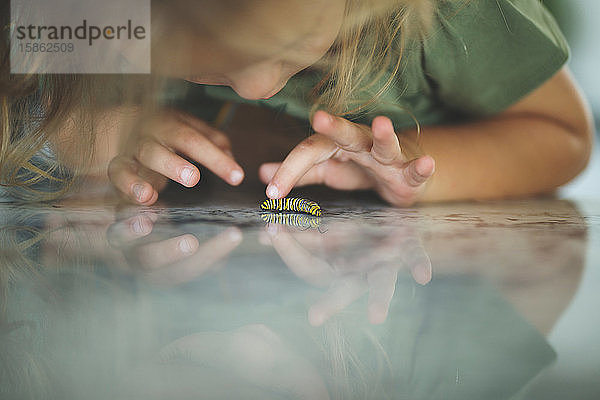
(419, 170)
(126, 212)
(158, 181)
(422, 271)
(158, 158)
(386, 147)
(207, 254)
(332, 173)
(311, 151)
(341, 294)
(122, 172)
(382, 284)
(217, 137)
(194, 145)
(420, 265)
(158, 254)
(123, 232)
(300, 261)
(267, 171)
(347, 135)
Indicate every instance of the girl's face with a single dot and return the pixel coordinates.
(256, 47)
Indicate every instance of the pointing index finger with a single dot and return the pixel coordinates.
(311, 151)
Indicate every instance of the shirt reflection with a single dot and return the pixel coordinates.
(98, 303)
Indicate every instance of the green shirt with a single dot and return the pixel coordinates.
(480, 57)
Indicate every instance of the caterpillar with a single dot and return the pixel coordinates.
(296, 220)
(292, 204)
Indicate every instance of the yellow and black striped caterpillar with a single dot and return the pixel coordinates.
(292, 204)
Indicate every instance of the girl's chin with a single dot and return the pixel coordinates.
(204, 81)
(270, 95)
(273, 92)
(257, 97)
(246, 96)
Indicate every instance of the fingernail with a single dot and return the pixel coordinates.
(422, 273)
(185, 245)
(234, 235)
(138, 191)
(272, 191)
(236, 176)
(316, 317)
(186, 175)
(139, 226)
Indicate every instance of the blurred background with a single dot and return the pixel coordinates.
(578, 20)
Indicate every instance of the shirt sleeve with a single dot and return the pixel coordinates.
(481, 56)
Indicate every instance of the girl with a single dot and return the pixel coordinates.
(485, 79)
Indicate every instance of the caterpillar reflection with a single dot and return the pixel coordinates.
(302, 221)
(292, 204)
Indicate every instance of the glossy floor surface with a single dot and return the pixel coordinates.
(458, 301)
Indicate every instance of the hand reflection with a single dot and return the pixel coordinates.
(167, 260)
(132, 241)
(351, 260)
(250, 362)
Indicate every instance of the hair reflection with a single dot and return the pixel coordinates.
(96, 329)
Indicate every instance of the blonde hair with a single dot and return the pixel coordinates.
(34, 108)
(372, 40)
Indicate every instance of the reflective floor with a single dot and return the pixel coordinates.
(457, 301)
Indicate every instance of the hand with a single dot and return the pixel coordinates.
(166, 256)
(355, 268)
(349, 156)
(141, 243)
(157, 154)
